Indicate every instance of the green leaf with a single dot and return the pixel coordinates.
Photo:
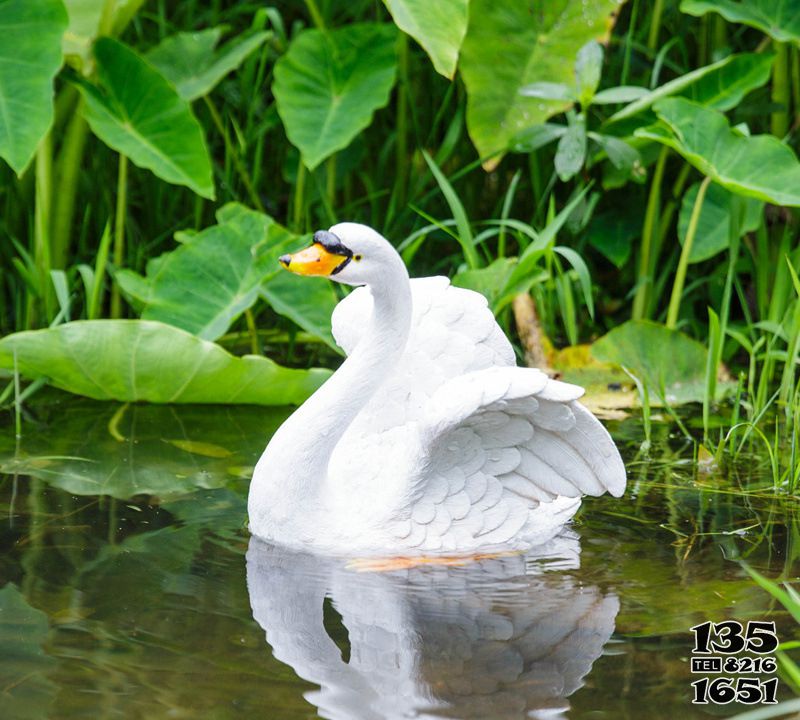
(571, 151)
(622, 155)
(780, 19)
(759, 166)
(133, 360)
(659, 357)
(588, 66)
(139, 114)
(488, 281)
(713, 227)
(619, 94)
(549, 91)
(613, 233)
(27, 691)
(329, 84)
(536, 136)
(91, 448)
(211, 279)
(30, 57)
(438, 26)
(508, 46)
(307, 302)
(724, 88)
(720, 85)
(192, 64)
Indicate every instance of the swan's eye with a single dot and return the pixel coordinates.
(357, 257)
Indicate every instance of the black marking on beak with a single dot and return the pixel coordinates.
(285, 260)
(334, 246)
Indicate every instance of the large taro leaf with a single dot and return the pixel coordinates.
(713, 226)
(194, 64)
(27, 693)
(137, 112)
(510, 45)
(778, 18)
(438, 26)
(328, 85)
(721, 85)
(308, 302)
(213, 277)
(90, 448)
(761, 166)
(30, 56)
(659, 357)
(134, 360)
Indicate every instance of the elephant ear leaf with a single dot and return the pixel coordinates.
(438, 26)
(137, 112)
(30, 57)
(760, 167)
(194, 64)
(329, 84)
(141, 360)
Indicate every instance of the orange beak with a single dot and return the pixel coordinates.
(314, 260)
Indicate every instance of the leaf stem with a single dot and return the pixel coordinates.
(119, 232)
(298, 220)
(42, 216)
(781, 91)
(655, 24)
(683, 263)
(316, 15)
(68, 167)
(644, 280)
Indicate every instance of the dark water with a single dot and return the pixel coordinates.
(130, 588)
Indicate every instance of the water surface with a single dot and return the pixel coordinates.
(129, 588)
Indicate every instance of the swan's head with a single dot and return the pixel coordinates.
(349, 253)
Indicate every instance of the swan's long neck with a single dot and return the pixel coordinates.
(295, 463)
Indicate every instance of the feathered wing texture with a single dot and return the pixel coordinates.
(506, 456)
(452, 332)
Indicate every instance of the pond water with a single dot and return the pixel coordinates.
(129, 588)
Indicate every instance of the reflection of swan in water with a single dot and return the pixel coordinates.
(499, 638)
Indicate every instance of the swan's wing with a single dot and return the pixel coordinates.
(505, 452)
(452, 332)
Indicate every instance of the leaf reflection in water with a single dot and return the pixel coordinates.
(507, 637)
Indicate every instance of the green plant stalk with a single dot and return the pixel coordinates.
(234, 154)
(644, 280)
(655, 24)
(330, 181)
(95, 299)
(316, 15)
(298, 219)
(253, 331)
(683, 262)
(781, 91)
(714, 350)
(793, 345)
(795, 80)
(401, 142)
(41, 231)
(67, 172)
(119, 232)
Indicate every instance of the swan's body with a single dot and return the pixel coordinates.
(427, 439)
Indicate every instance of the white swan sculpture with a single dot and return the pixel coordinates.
(428, 440)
